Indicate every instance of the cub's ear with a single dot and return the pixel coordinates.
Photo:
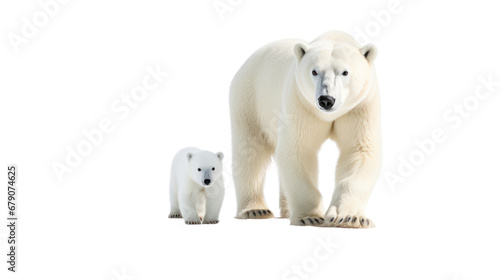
(369, 52)
(220, 155)
(300, 50)
(189, 156)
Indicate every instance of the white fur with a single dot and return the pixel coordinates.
(190, 197)
(274, 111)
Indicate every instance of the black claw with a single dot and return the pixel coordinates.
(260, 213)
(255, 215)
(348, 220)
(302, 221)
(322, 219)
(317, 221)
(362, 221)
(310, 220)
(341, 220)
(332, 219)
(269, 211)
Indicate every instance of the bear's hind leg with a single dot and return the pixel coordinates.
(285, 212)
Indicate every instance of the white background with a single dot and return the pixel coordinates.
(107, 219)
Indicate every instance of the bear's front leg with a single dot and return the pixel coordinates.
(214, 199)
(297, 162)
(358, 138)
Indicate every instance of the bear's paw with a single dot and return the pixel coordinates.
(349, 221)
(212, 222)
(313, 220)
(175, 216)
(258, 214)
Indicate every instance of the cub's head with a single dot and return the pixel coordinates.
(205, 167)
(333, 75)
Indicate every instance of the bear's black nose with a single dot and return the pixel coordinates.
(207, 181)
(326, 102)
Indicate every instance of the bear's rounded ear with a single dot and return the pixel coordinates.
(220, 155)
(369, 52)
(300, 50)
(189, 156)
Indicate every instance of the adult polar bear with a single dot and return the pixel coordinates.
(287, 99)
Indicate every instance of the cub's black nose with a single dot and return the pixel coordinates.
(326, 102)
(207, 181)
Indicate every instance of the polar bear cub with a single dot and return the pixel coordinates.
(196, 186)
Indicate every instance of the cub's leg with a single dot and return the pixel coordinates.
(175, 211)
(214, 198)
(188, 199)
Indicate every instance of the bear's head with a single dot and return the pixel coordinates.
(205, 167)
(334, 72)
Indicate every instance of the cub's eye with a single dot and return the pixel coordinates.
(213, 168)
(199, 169)
(345, 73)
(314, 73)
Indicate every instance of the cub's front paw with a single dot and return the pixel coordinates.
(313, 220)
(193, 222)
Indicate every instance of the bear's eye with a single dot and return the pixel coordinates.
(213, 168)
(199, 169)
(314, 73)
(345, 73)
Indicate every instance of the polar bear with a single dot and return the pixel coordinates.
(196, 186)
(286, 100)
